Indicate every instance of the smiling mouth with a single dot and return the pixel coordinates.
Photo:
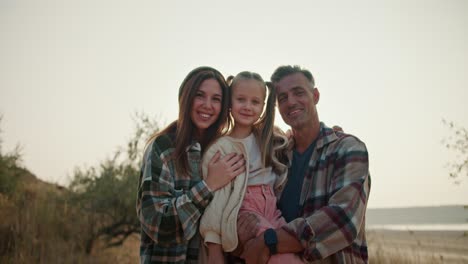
(205, 116)
(294, 113)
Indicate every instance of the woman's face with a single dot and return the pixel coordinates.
(206, 105)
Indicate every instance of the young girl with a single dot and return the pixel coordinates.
(252, 135)
(171, 193)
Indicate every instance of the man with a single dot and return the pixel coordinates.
(325, 198)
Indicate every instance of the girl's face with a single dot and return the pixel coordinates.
(248, 98)
(206, 105)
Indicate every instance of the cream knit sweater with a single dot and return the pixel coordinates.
(219, 221)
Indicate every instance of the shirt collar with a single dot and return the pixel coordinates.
(194, 146)
(326, 136)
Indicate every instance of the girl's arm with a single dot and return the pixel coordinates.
(210, 223)
(215, 254)
(214, 221)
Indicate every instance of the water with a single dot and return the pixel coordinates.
(440, 218)
(461, 227)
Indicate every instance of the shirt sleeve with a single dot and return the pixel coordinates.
(168, 215)
(335, 226)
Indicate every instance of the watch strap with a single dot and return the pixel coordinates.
(271, 240)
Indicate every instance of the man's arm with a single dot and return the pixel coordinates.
(256, 251)
(287, 242)
(335, 226)
(247, 227)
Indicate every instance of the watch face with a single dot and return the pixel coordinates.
(270, 238)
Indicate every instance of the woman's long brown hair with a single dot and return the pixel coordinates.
(184, 127)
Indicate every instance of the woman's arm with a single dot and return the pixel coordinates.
(168, 215)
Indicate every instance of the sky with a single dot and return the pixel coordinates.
(73, 73)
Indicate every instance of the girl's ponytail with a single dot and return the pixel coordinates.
(266, 125)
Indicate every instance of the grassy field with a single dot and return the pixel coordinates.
(39, 226)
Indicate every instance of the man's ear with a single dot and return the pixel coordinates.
(316, 94)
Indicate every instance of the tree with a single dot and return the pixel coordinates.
(107, 192)
(457, 142)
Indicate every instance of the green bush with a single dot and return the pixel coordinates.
(107, 192)
(10, 169)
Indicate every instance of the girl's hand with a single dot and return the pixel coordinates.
(222, 171)
(215, 254)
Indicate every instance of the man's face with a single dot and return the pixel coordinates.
(297, 100)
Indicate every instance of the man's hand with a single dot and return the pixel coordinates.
(247, 228)
(337, 129)
(255, 251)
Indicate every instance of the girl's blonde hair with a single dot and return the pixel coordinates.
(263, 128)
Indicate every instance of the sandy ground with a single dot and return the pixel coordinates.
(387, 246)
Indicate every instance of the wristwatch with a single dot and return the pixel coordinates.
(271, 240)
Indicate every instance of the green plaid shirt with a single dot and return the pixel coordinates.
(169, 205)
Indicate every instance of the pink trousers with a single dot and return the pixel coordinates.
(261, 200)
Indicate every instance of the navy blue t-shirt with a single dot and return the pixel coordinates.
(289, 201)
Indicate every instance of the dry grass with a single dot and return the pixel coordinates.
(38, 226)
(126, 254)
(417, 247)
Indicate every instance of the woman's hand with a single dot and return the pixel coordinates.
(221, 171)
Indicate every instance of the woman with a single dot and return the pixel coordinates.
(172, 193)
